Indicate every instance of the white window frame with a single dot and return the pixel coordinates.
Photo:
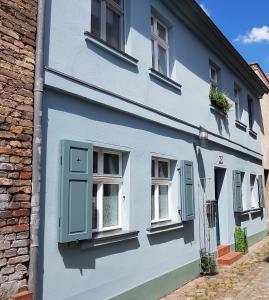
(237, 102)
(100, 178)
(158, 41)
(118, 9)
(157, 181)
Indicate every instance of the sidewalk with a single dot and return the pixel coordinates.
(247, 279)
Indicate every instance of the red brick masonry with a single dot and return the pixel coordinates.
(17, 53)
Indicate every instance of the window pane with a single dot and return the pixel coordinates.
(111, 164)
(250, 113)
(95, 162)
(162, 60)
(94, 206)
(213, 75)
(153, 168)
(96, 18)
(161, 31)
(163, 169)
(152, 24)
(152, 202)
(110, 205)
(152, 55)
(112, 28)
(117, 1)
(163, 201)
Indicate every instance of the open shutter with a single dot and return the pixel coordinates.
(187, 191)
(75, 209)
(261, 191)
(237, 191)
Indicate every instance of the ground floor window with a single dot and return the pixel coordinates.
(160, 190)
(107, 190)
(254, 196)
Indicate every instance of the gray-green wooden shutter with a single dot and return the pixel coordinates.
(187, 191)
(237, 191)
(75, 208)
(261, 191)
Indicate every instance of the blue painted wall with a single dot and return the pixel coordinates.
(130, 122)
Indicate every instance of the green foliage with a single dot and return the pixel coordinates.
(208, 263)
(219, 99)
(241, 242)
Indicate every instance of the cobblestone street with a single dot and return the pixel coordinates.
(246, 279)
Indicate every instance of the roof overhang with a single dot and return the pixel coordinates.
(191, 14)
(259, 72)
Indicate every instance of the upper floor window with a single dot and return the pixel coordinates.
(160, 47)
(214, 74)
(107, 21)
(107, 189)
(237, 103)
(160, 187)
(250, 113)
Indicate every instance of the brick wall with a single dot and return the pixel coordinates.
(17, 52)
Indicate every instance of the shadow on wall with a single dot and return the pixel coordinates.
(76, 258)
(186, 232)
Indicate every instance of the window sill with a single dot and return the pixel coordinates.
(109, 237)
(255, 210)
(164, 79)
(240, 125)
(252, 133)
(163, 227)
(217, 110)
(114, 51)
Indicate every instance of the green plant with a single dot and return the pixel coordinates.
(208, 263)
(241, 242)
(219, 99)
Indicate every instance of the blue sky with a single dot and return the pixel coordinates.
(246, 25)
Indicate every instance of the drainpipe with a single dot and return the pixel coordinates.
(36, 158)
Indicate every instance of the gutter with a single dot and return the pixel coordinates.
(36, 158)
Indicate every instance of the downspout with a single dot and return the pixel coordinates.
(36, 156)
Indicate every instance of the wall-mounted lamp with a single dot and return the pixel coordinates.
(203, 137)
(202, 140)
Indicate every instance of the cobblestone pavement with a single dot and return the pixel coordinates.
(247, 279)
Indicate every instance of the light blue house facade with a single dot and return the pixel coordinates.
(125, 175)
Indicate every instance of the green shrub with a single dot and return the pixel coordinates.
(219, 99)
(241, 242)
(208, 262)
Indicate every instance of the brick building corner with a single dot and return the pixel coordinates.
(17, 60)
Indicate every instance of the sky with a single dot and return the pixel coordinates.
(246, 25)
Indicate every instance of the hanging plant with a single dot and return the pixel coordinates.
(208, 262)
(219, 99)
(241, 242)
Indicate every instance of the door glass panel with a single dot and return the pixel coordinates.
(95, 162)
(112, 28)
(111, 164)
(163, 201)
(110, 205)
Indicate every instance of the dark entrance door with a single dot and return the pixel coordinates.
(219, 178)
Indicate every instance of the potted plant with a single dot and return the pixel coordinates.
(219, 99)
(241, 242)
(208, 263)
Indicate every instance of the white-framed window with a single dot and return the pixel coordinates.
(107, 21)
(159, 46)
(214, 74)
(254, 196)
(160, 190)
(237, 99)
(107, 190)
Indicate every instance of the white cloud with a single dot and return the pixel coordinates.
(255, 35)
(205, 9)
